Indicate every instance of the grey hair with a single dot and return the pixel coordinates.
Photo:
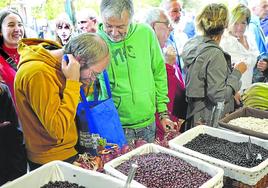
(165, 3)
(115, 8)
(153, 15)
(88, 47)
(87, 13)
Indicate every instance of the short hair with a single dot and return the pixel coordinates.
(60, 21)
(164, 3)
(88, 47)
(87, 13)
(254, 3)
(3, 14)
(213, 19)
(238, 13)
(153, 15)
(115, 8)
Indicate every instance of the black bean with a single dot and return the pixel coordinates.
(225, 150)
(61, 184)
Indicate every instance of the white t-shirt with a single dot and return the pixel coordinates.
(238, 52)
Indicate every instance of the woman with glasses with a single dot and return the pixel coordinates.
(47, 88)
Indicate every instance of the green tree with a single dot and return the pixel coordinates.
(5, 3)
(51, 6)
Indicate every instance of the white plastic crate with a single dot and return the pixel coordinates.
(62, 171)
(217, 173)
(249, 176)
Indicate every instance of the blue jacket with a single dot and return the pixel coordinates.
(255, 28)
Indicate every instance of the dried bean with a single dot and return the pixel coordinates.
(164, 170)
(61, 184)
(225, 150)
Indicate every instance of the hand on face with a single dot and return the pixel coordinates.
(71, 70)
(262, 65)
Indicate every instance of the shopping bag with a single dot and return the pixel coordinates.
(99, 117)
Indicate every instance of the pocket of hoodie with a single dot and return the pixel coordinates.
(137, 109)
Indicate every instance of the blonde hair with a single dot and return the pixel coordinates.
(213, 19)
(61, 20)
(239, 13)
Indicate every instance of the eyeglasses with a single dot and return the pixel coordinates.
(167, 23)
(92, 76)
(82, 22)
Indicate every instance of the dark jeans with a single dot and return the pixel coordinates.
(34, 166)
(13, 163)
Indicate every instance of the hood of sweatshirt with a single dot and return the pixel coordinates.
(38, 48)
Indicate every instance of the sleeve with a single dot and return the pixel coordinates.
(7, 109)
(160, 75)
(56, 111)
(220, 84)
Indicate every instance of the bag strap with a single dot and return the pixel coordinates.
(95, 93)
(107, 83)
(8, 59)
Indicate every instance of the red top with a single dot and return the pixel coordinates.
(6, 71)
(175, 81)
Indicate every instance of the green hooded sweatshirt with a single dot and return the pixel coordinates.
(137, 76)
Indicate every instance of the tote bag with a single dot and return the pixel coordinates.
(100, 116)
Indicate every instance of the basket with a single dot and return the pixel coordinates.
(62, 171)
(248, 176)
(245, 112)
(217, 174)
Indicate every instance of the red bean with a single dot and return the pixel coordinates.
(164, 170)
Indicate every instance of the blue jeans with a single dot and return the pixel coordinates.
(146, 133)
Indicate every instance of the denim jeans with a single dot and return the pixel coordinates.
(146, 133)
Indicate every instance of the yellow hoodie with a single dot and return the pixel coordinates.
(46, 103)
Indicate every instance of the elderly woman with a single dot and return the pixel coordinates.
(210, 80)
(239, 45)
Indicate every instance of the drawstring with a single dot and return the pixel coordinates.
(114, 75)
(129, 74)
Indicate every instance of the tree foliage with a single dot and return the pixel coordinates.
(5, 3)
(53, 8)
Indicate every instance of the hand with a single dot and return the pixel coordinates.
(170, 55)
(72, 70)
(168, 125)
(241, 67)
(237, 98)
(5, 123)
(179, 123)
(262, 65)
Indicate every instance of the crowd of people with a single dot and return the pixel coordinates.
(163, 78)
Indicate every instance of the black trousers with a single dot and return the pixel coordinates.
(34, 166)
(13, 163)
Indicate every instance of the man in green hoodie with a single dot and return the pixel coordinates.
(137, 71)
